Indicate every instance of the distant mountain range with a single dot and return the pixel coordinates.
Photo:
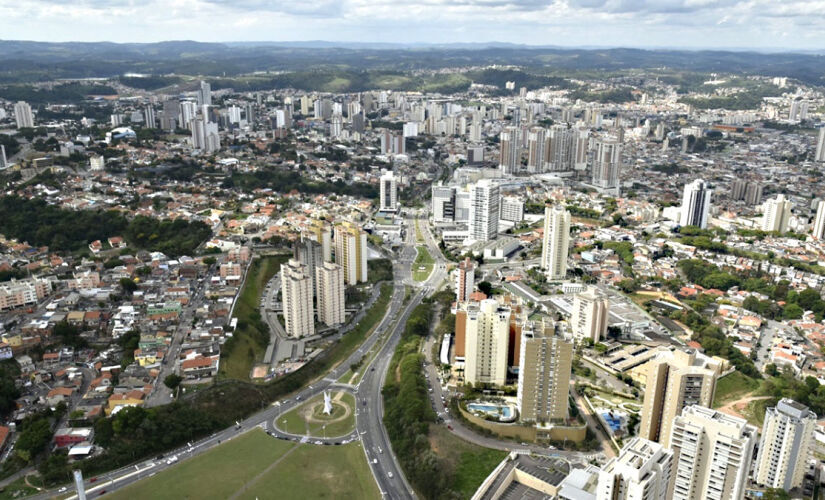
(26, 61)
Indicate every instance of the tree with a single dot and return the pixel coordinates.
(486, 288)
(129, 286)
(172, 381)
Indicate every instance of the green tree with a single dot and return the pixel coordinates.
(172, 381)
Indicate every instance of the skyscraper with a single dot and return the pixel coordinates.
(643, 470)
(329, 279)
(544, 373)
(712, 453)
(561, 149)
(590, 312)
(510, 151)
(607, 161)
(149, 117)
(787, 438)
(777, 214)
(695, 204)
(536, 150)
(23, 115)
(309, 253)
(443, 203)
(753, 193)
(205, 94)
(4, 162)
(351, 252)
(819, 221)
(486, 339)
(465, 280)
(484, 210)
(820, 146)
(675, 380)
(169, 119)
(296, 293)
(205, 136)
(319, 231)
(555, 242)
(388, 193)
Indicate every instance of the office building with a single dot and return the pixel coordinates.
(712, 455)
(819, 221)
(695, 204)
(23, 115)
(351, 252)
(820, 146)
(205, 94)
(484, 210)
(309, 253)
(320, 232)
(675, 379)
(556, 241)
(475, 155)
(536, 150)
(512, 209)
(545, 361)
(510, 151)
(777, 215)
(590, 314)
(607, 161)
(388, 193)
(329, 279)
(785, 446)
(486, 339)
(465, 280)
(296, 295)
(443, 203)
(643, 470)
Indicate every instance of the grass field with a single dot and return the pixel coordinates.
(419, 238)
(295, 422)
(732, 387)
(423, 265)
(248, 467)
(17, 489)
(755, 411)
(245, 349)
(468, 464)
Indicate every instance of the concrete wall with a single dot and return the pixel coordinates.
(529, 434)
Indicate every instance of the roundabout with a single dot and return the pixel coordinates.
(311, 419)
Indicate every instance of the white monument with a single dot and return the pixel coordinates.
(327, 404)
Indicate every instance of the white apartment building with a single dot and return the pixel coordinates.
(329, 279)
(695, 204)
(777, 214)
(296, 293)
(487, 335)
(388, 196)
(589, 317)
(556, 241)
(484, 210)
(785, 446)
(643, 470)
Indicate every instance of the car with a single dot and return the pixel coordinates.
(375, 460)
(389, 475)
(449, 426)
(61, 490)
(93, 480)
(102, 492)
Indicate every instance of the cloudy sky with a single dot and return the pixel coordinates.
(796, 24)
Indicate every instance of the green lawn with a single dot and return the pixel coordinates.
(17, 489)
(468, 464)
(248, 467)
(250, 339)
(755, 411)
(419, 238)
(732, 387)
(423, 265)
(294, 421)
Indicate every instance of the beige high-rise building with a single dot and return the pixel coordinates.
(785, 446)
(712, 453)
(296, 294)
(590, 311)
(486, 337)
(329, 279)
(544, 373)
(351, 252)
(320, 232)
(675, 379)
(777, 214)
(819, 221)
(555, 242)
(643, 470)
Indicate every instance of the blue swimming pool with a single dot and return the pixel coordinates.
(502, 410)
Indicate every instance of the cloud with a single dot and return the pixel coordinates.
(313, 8)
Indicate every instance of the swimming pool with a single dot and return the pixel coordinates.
(490, 408)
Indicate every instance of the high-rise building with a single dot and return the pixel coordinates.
(675, 380)
(712, 455)
(388, 193)
(820, 146)
(607, 161)
(296, 293)
(149, 117)
(205, 136)
(336, 125)
(695, 204)
(305, 105)
(777, 214)
(561, 149)
(510, 151)
(320, 232)
(443, 203)
(4, 162)
(392, 143)
(23, 115)
(643, 470)
(329, 279)
(486, 337)
(205, 94)
(536, 150)
(787, 438)
(590, 313)
(819, 221)
(351, 252)
(465, 280)
(188, 111)
(737, 189)
(512, 209)
(581, 143)
(484, 210)
(309, 253)
(169, 118)
(556, 241)
(753, 193)
(545, 361)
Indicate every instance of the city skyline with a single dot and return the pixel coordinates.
(691, 24)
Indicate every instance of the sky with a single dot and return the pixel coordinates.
(737, 24)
